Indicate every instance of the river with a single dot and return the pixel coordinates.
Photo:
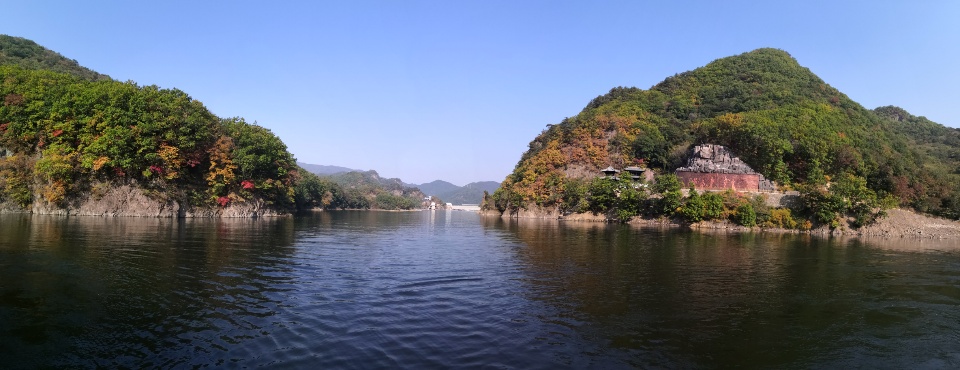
(452, 289)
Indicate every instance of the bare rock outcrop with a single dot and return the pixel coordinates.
(534, 211)
(712, 158)
(124, 200)
(131, 201)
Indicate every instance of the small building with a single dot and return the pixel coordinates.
(610, 172)
(714, 167)
(640, 174)
(637, 174)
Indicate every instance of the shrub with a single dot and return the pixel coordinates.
(712, 206)
(668, 186)
(629, 200)
(693, 208)
(603, 192)
(782, 218)
(760, 207)
(745, 215)
(574, 197)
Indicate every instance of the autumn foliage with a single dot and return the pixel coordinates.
(76, 132)
(777, 116)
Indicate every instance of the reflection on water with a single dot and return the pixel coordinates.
(452, 289)
(677, 298)
(108, 292)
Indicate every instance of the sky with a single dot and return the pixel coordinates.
(456, 90)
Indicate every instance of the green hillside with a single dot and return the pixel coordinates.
(68, 133)
(437, 187)
(779, 117)
(372, 191)
(471, 193)
(29, 55)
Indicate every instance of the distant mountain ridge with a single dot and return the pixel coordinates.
(438, 188)
(320, 169)
(471, 193)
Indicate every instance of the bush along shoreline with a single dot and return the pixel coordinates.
(843, 205)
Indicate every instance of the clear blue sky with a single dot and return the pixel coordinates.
(455, 90)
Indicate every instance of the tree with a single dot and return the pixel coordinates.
(574, 198)
(668, 186)
(745, 215)
(603, 194)
(693, 208)
(712, 206)
(630, 198)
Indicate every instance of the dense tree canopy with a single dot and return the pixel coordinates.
(77, 132)
(68, 132)
(30, 55)
(779, 117)
(373, 191)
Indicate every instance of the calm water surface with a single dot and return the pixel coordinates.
(455, 290)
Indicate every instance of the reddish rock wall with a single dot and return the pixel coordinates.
(720, 181)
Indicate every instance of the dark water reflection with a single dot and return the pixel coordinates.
(452, 289)
(108, 292)
(674, 298)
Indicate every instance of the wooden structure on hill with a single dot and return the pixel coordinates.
(638, 174)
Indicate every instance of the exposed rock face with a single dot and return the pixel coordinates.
(533, 211)
(130, 201)
(712, 158)
(714, 167)
(122, 200)
(251, 208)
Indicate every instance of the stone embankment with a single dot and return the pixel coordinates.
(710, 158)
(715, 167)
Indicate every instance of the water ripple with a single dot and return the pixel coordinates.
(452, 290)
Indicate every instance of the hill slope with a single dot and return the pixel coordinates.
(73, 141)
(320, 169)
(29, 55)
(379, 192)
(439, 188)
(471, 193)
(779, 117)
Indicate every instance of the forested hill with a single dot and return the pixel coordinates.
(70, 137)
(28, 54)
(471, 193)
(378, 192)
(341, 187)
(778, 116)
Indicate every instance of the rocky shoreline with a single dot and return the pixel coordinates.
(131, 201)
(899, 223)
